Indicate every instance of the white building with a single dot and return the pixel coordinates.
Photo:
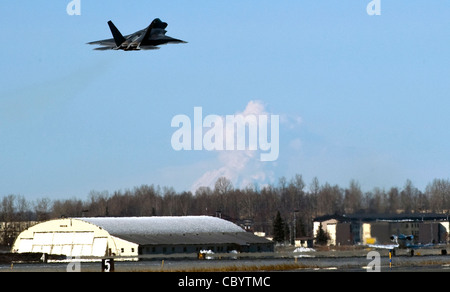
(72, 237)
(328, 226)
(132, 236)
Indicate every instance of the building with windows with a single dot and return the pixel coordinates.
(134, 236)
(378, 228)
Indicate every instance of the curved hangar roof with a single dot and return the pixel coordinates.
(163, 225)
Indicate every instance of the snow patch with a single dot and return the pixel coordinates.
(304, 249)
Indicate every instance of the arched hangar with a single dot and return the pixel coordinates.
(133, 236)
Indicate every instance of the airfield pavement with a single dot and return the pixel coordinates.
(346, 259)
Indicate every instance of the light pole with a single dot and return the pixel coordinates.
(295, 225)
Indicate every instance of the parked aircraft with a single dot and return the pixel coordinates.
(401, 241)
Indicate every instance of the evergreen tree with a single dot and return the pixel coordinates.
(322, 237)
(278, 228)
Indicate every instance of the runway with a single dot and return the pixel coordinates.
(429, 263)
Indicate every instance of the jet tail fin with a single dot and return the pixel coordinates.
(118, 37)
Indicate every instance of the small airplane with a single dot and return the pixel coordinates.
(146, 39)
(401, 241)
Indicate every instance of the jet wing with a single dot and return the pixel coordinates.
(108, 42)
(417, 246)
(104, 48)
(177, 41)
(383, 246)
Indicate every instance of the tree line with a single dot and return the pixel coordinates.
(292, 198)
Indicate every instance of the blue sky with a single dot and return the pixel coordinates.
(359, 97)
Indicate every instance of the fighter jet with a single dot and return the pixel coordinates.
(146, 39)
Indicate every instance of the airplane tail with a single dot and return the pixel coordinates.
(118, 37)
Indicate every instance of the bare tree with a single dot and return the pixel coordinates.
(185, 203)
(353, 198)
(98, 204)
(408, 197)
(22, 209)
(202, 204)
(222, 188)
(330, 200)
(393, 205)
(438, 193)
(42, 209)
(223, 185)
(7, 208)
(314, 189)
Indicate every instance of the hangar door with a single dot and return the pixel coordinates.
(65, 243)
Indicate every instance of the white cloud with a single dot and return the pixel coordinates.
(241, 167)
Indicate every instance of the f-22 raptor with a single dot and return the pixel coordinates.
(146, 39)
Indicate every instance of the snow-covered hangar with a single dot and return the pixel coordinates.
(133, 236)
